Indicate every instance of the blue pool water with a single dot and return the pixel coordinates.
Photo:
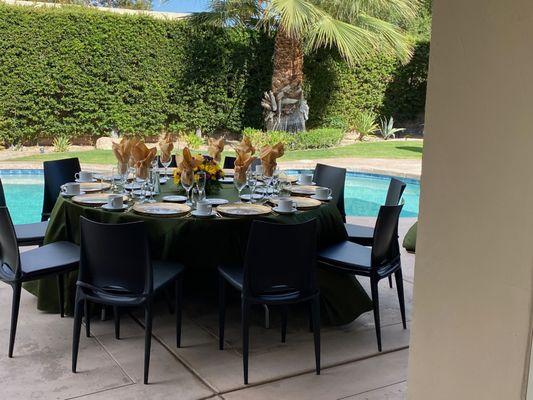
(363, 195)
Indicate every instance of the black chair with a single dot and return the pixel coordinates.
(173, 163)
(364, 235)
(378, 262)
(229, 162)
(15, 268)
(268, 279)
(56, 173)
(332, 177)
(27, 234)
(126, 278)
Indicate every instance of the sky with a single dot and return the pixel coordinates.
(180, 5)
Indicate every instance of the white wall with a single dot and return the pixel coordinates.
(473, 280)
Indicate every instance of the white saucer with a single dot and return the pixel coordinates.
(68, 196)
(198, 215)
(132, 186)
(226, 180)
(164, 180)
(246, 197)
(92, 180)
(316, 198)
(107, 207)
(174, 199)
(217, 202)
(145, 192)
(276, 209)
(305, 184)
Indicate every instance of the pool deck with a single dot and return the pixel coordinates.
(112, 369)
(405, 168)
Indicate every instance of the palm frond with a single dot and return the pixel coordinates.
(228, 13)
(389, 10)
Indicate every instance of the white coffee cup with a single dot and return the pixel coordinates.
(204, 208)
(259, 169)
(71, 188)
(115, 201)
(306, 179)
(323, 193)
(285, 205)
(84, 176)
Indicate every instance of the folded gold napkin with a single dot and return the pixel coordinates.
(246, 145)
(215, 148)
(166, 145)
(242, 163)
(143, 157)
(268, 157)
(188, 163)
(122, 152)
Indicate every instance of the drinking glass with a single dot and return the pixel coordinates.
(151, 185)
(187, 181)
(201, 179)
(240, 183)
(165, 165)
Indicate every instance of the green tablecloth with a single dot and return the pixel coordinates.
(203, 244)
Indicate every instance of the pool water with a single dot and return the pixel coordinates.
(364, 194)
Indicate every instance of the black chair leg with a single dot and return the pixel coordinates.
(179, 305)
(147, 338)
(221, 311)
(390, 281)
(78, 311)
(315, 315)
(375, 301)
(61, 293)
(284, 313)
(167, 296)
(116, 317)
(86, 311)
(15, 305)
(245, 338)
(310, 317)
(399, 287)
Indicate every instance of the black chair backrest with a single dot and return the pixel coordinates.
(9, 252)
(57, 173)
(229, 162)
(394, 194)
(280, 258)
(385, 248)
(115, 258)
(334, 178)
(2, 196)
(173, 163)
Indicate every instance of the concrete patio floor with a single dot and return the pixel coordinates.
(112, 369)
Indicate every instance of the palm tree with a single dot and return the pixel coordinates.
(356, 28)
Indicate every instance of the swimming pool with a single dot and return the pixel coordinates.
(364, 194)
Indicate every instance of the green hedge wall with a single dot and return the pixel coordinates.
(73, 71)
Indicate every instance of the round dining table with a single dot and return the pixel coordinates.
(202, 244)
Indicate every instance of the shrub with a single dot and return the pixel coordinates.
(311, 139)
(337, 122)
(387, 129)
(261, 138)
(364, 123)
(61, 144)
(192, 140)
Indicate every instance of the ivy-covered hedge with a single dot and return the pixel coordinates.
(75, 72)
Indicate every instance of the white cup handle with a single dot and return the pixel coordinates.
(330, 192)
(77, 175)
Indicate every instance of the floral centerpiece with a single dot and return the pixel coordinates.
(212, 171)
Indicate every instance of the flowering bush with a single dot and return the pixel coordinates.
(213, 173)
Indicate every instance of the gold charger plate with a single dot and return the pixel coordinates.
(289, 178)
(243, 210)
(302, 203)
(91, 187)
(304, 190)
(93, 199)
(162, 209)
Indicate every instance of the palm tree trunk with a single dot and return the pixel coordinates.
(285, 105)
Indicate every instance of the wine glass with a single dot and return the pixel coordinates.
(240, 183)
(165, 165)
(187, 181)
(201, 179)
(150, 185)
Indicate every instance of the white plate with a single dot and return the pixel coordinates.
(276, 209)
(68, 196)
(174, 199)
(317, 198)
(198, 215)
(143, 192)
(132, 186)
(226, 180)
(162, 181)
(305, 184)
(246, 197)
(107, 207)
(217, 202)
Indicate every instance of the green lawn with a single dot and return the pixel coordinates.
(390, 149)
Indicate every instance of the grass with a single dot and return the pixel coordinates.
(390, 149)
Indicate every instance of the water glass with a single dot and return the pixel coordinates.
(187, 181)
(201, 179)
(240, 184)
